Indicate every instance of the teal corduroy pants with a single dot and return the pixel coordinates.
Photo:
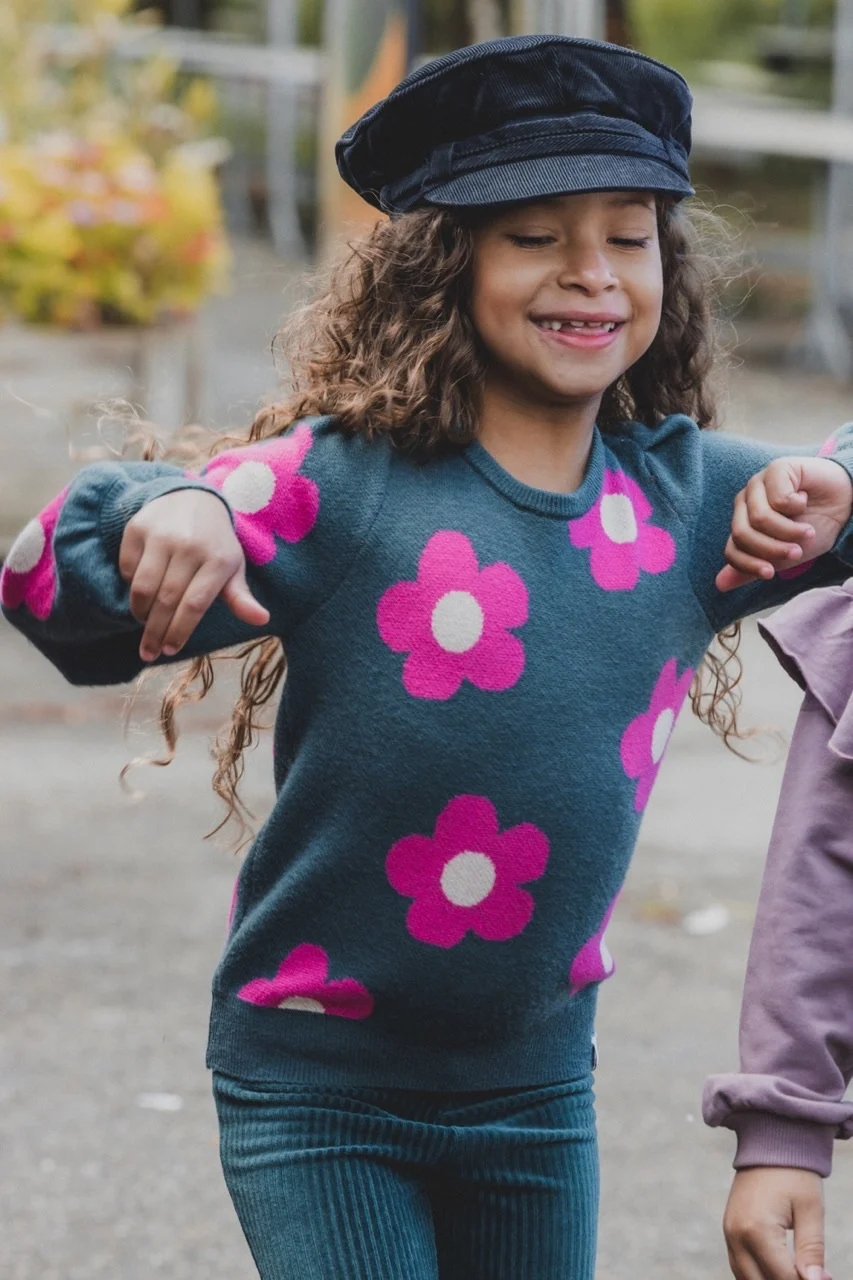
(391, 1184)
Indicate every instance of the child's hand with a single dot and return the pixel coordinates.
(179, 552)
(764, 1204)
(795, 507)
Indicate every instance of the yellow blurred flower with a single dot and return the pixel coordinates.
(200, 102)
(104, 236)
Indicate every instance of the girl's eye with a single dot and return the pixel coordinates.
(642, 243)
(531, 242)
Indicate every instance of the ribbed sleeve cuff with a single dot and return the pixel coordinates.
(764, 1138)
(843, 548)
(121, 503)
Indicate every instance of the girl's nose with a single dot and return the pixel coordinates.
(587, 270)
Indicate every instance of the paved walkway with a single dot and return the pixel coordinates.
(112, 913)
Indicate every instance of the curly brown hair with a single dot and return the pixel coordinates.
(387, 345)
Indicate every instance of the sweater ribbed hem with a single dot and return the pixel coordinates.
(269, 1046)
(767, 1139)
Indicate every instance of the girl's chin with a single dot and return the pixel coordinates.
(558, 386)
(579, 391)
(590, 374)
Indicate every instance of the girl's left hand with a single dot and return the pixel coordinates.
(792, 510)
(764, 1205)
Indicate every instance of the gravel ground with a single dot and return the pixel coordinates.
(113, 908)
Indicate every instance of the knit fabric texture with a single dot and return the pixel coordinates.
(482, 681)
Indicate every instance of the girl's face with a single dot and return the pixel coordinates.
(567, 293)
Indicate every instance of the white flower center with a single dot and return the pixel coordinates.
(250, 487)
(457, 621)
(302, 1004)
(28, 548)
(660, 733)
(617, 517)
(468, 878)
(606, 958)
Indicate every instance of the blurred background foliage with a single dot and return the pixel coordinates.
(757, 49)
(683, 32)
(109, 207)
(686, 33)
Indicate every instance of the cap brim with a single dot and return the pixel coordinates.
(544, 176)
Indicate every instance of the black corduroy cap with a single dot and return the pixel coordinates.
(521, 119)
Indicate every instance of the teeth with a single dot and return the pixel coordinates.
(596, 326)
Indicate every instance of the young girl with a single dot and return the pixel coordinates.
(796, 1038)
(491, 548)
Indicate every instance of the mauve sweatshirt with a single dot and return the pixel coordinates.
(796, 1032)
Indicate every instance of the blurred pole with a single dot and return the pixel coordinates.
(484, 20)
(831, 322)
(413, 32)
(367, 49)
(282, 106)
(559, 17)
(192, 14)
(617, 22)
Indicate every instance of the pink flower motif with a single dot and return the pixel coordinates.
(796, 570)
(828, 447)
(302, 985)
(266, 493)
(593, 963)
(621, 540)
(452, 621)
(466, 876)
(645, 740)
(29, 574)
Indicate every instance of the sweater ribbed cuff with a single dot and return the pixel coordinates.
(843, 547)
(121, 503)
(767, 1139)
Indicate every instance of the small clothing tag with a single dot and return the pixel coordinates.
(594, 1054)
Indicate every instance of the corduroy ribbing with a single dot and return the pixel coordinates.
(378, 1184)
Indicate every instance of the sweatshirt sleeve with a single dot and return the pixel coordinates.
(301, 505)
(698, 474)
(786, 1104)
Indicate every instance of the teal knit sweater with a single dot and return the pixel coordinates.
(482, 681)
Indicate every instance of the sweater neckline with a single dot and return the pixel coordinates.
(542, 501)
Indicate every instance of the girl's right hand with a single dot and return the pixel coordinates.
(179, 552)
(794, 508)
(764, 1205)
